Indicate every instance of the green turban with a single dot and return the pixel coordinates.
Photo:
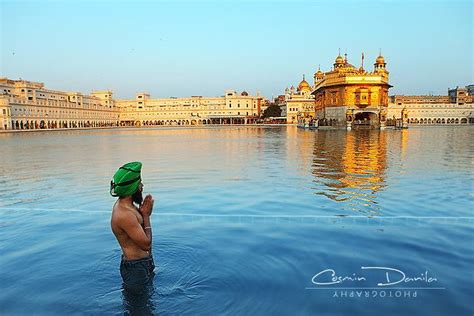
(126, 180)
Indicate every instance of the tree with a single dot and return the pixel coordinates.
(273, 110)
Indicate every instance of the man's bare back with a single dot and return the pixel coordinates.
(128, 226)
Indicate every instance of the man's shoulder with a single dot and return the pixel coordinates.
(124, 212)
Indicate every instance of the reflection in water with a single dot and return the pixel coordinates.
(350, 167)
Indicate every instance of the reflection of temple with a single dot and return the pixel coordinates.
(349, 96)
(350, 166)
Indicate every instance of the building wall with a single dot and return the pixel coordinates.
(5, 114)
(31, 106)
(335, 113)
(455, 108)
(230, 108)
(299, 108)
(421, 99)
(299, 104)
(353, 96)
(434, 114)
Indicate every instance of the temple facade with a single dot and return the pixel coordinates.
(349, 96)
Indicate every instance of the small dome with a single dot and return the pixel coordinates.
(380, 60)
(304, 85)
(339, 60)
(244, 93)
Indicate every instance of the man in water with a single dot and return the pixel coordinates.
(131, 226)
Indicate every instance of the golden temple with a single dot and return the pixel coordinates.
(348, 96)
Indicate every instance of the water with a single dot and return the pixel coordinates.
(244, 218)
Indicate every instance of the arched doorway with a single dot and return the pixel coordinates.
(365, 119)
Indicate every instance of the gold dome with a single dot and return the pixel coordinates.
(380, 60)
(339, 60)
(304, 85)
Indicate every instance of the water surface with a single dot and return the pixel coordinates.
(244, 218)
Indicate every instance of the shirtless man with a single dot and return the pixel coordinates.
(132, 228)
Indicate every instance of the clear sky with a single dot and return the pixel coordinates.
(182, 48)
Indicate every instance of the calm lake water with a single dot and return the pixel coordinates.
(245, 218)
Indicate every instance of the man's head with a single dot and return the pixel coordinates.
(127, 182)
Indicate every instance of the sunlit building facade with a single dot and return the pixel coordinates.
(456, 108)
(344, 96)
(29, 105)
(348, 96)
(232, 108)
(299, 104)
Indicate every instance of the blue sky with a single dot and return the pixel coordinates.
(182, 48)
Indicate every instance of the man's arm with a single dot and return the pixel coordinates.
(146, 209)
(147, 228)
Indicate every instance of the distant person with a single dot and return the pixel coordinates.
(131, 226)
